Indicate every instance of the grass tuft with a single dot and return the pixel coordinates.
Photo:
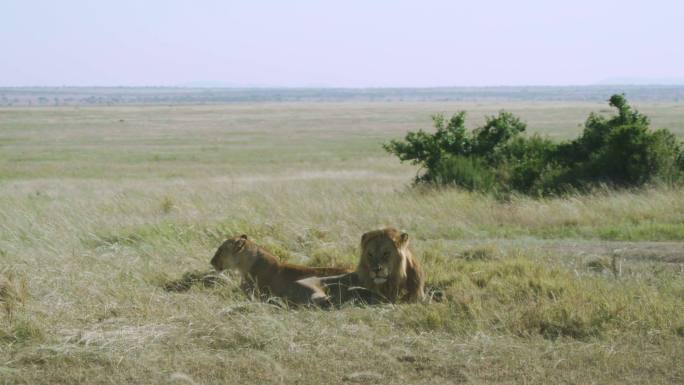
(481, 253)
(167, 204)
(194, 278)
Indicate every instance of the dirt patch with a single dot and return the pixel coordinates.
(667, 252)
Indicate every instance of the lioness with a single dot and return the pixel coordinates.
(262, 271)
(388, 267)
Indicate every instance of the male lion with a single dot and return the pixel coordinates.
(262, 271)
(388, 267)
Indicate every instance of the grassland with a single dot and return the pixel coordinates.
(102, 207)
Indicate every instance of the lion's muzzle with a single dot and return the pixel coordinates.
(379, 274)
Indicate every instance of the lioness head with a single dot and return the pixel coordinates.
(232, 254)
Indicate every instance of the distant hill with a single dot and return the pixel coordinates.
(643, 81)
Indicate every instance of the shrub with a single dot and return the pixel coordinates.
(469, 172)
(620, 151)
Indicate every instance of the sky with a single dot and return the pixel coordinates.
(350, 43)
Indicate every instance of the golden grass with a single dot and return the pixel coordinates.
(102, 274)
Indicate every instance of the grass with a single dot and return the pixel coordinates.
(107, 228)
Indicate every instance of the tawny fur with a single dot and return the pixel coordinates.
(338, 290)
(385, 255)
(262, 271)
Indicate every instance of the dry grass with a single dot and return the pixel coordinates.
(104, 250)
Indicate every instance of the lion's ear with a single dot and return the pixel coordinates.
(241, 242)
(403, 239)
(364, 238)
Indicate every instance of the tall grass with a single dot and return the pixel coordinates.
(94, 258)
(523, 290)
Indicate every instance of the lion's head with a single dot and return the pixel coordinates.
(388, 266)
(233, 254)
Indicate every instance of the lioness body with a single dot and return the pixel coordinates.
(388, 266)
(262, 271)
(339, 289)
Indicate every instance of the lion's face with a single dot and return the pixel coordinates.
(230, 254)
(388, 266)
(381, 255)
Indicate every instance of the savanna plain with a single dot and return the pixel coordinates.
(109, 217)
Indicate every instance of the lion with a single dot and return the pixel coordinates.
(263, 272)
(388, 266)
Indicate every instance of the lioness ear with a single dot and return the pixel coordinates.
(244, 236)
(403, 239)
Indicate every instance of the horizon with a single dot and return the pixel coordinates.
(356, 44)
(323, 87)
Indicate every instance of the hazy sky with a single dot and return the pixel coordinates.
(339, 43)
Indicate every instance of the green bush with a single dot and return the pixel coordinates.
(471, 173)
(620, 151)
